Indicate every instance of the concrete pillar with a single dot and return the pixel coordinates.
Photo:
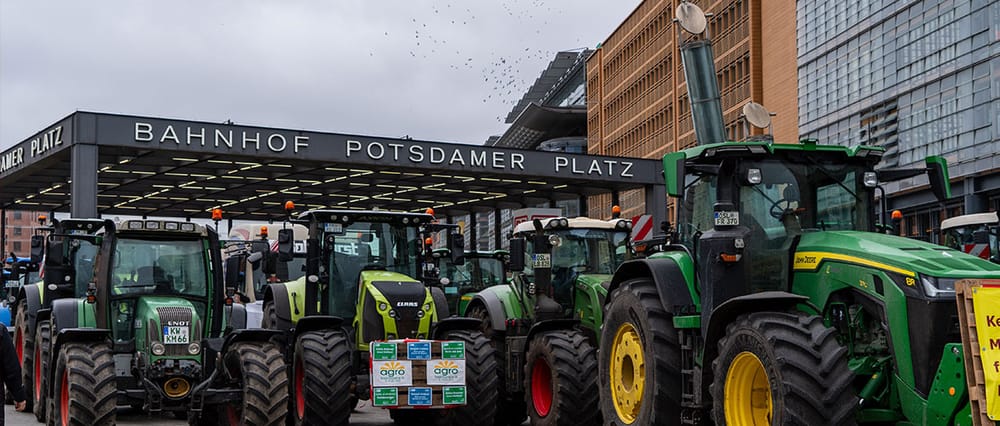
(473, 232)
(497, 240)
(973, 202)
(83, 172)
(656, 202)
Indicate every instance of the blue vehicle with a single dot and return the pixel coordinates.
(17, 271)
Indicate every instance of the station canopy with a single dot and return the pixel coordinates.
(94, 163)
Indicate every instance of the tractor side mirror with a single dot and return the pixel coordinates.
(517, 254)
(456, 244)
(234, 271)
(14, 274)
(286, 244)
(937, 172)
(261, 249)
(55, 253)
(37, 248)
(673, 173)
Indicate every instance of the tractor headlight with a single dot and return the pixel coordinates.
(938, 287)
(157, 348)
(555, 240)
(392, 313)
(870, 179)
(420, 314)
(194, 349)
(753, 176)
(382, 306)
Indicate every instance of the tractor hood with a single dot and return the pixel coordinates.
(602, 281)
(888, 252)
(171, 321)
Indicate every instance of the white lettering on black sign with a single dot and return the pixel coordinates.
(619, 168)
(457, 156)
(46, 142)
(245, 140)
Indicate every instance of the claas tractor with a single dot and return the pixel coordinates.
(777, 302)
(155, 329)
(364, 284)
(545, 322)
(480, 269)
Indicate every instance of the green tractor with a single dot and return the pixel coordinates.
(156, 329)
(777, 302)
(480, 269)
(363, 284)
(546, 321)
(67, 254)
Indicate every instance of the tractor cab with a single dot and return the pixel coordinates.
(481, 269)
(975, 234)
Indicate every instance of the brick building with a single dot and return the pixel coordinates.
(21, 226)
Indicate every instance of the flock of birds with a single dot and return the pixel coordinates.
(506, 76)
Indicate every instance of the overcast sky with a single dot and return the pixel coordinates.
(434, 70)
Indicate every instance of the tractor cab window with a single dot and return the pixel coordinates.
(372, 246)
(584, 251)
(695, 211)
(963, 238)
(159, 267)
(84, 256)
(477, 271)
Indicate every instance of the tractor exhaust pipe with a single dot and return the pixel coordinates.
(699, 71)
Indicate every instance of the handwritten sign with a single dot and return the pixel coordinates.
(986, 301)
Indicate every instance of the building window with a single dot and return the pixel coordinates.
(17, 215)
(17, 230)
(17, 246)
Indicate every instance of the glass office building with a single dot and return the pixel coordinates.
(916, 77)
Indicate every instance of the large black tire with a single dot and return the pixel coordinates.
(268, 315)
(511, 409)
(560, 379)
(480, 381)
(321, 379)
(792, 355)
(85, 392)
(638, 336)
(40, 369)
(441, 307)
(264, 380)
(24, 345)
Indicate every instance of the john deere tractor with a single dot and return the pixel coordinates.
(363, 284)
(778, 302)
(155, 329)
(545, 323)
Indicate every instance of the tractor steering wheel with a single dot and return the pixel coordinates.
(783, 207)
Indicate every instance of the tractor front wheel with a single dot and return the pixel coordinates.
(321, 379)
(640, 356)
(511, 409)
(781, 368)
(85, 389)
(480, 381)
(40, 369)
(560, 379)
(261, 370)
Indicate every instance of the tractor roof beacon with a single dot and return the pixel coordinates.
(775, 268)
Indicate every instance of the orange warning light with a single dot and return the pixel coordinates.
(289, 206)
(216, 214)
(897, 215)
(263, 232)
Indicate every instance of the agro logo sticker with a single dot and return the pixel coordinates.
(392, 373)
(446, 372)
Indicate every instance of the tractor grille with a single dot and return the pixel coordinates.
(175, 314)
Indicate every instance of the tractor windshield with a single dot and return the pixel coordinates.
(477, 273)
(159, 267)
(367, 245)
(979, 240)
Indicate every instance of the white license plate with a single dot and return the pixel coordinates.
(727, 218)
(176, 335)
(12, 284)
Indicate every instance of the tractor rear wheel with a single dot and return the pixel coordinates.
(85, 390)
(261, 370)
(321, 379)
(511, 409)
(269, 313)
(480, 381)
(441, 307)
(781, 368)
(40, 369)
(560, 379)
(640, 359)
(24, 345)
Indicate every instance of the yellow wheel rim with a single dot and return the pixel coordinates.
(628, 373)
(748, 392)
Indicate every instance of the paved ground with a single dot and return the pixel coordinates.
(365, 415)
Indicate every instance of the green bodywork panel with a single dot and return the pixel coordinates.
(686, 264)
(368, 278)
(508, 296)
(296, 298)
(687, 321)
(590, 293)
(86, 316)
(147, 318)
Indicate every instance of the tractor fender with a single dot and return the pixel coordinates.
(454, 323)
(674, 290)
(548, 325)
(317, 322)
(65, 313)
(278, 295)
(248, 335)
(730, 309)
(31, 294)
(238, 317)
(494, 307)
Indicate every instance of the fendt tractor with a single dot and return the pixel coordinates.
(777, 302)
(480, 269)
(361, 294)
(155, 329)
(546, 321)
(69, 271)
(977, 234)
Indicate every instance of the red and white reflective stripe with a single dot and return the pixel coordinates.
(978, 250)
(274, 246)
(642, 227)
